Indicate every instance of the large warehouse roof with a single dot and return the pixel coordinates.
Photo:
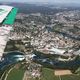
(4, 11)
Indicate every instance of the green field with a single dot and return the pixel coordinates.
(16, 74)
(72, 77)
(48, 74)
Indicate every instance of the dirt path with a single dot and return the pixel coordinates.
(26, 76)
(8, 73)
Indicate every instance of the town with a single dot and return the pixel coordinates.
(38, 44)
(59, 31)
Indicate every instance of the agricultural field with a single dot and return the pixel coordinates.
(16, 74)
(48, 74)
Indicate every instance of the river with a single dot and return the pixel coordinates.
(14, 57)
(11, 58)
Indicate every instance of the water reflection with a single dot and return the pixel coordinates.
(53, 62)
(11, 58)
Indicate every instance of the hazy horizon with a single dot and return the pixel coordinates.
(43, 1)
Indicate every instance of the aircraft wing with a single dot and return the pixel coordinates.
(7, 18)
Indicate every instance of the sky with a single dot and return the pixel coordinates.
(52, 1)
